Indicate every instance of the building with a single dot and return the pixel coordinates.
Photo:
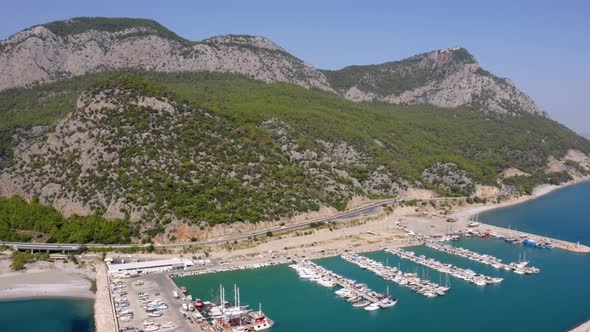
(151, 266)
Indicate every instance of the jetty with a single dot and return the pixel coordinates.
(437, 225)
(393, 274)
(559, 244)
(516, 267)
(354, 292)
(457, 272)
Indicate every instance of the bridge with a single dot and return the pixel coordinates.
(45, 247)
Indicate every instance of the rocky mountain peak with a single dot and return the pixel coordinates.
(447, 78)
(447, 56)
(244, 40)
(75, 47)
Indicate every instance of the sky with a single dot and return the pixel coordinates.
(543, 46)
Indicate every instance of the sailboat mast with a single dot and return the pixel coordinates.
(222, 297)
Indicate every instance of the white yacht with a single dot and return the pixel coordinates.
(387, 302)
(372, 307)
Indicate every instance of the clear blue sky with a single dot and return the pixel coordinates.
(543, 46)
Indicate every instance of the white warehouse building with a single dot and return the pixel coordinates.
(151, 266)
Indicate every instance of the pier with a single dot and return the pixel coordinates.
(559, 244)
(360, 291)
(432, 225)
(457, 272)
(516, 267)
(393, 274)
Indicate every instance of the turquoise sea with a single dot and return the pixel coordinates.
(556, 299)
(47, 315)
(562, 214)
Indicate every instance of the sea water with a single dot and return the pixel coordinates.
(563, 214)
(47, 315)
(556, 299)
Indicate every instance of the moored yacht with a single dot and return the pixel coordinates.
(372, 307)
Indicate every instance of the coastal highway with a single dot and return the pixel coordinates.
(366, 210)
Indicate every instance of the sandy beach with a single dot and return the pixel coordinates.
(45, 279)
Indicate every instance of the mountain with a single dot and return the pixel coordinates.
(166, 136)
(64, 49)
(165, 150)
(445, 78)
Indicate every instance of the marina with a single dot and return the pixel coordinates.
(393, 274)
(520, 267)
(457, 272)
(318, 309)
(196, 272)
(477, 260)
(438, 225)
(359, 294)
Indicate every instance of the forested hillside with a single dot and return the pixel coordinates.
(156, 150)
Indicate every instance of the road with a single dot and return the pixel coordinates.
(366, 210)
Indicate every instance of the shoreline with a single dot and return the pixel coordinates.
(44, 280)
(582, 327)
(539, 191)
(21, 297)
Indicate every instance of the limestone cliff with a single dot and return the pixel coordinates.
(59, 50)
(446, 78)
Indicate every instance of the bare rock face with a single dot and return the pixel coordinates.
(58, 50)
(38, 55)
(579, 157)
(445, 78)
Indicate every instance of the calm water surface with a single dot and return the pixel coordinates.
(556, 299)
(563, 214)
(47, 315)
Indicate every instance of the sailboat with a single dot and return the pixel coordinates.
(239, 318)
(474, 223)
(388, 301)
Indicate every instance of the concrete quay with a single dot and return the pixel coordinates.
(439, 225)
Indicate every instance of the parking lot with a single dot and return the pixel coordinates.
(135, 298)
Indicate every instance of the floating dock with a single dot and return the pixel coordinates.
(359, 290)
(393, 274)
(457, 272)
(516, 267)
